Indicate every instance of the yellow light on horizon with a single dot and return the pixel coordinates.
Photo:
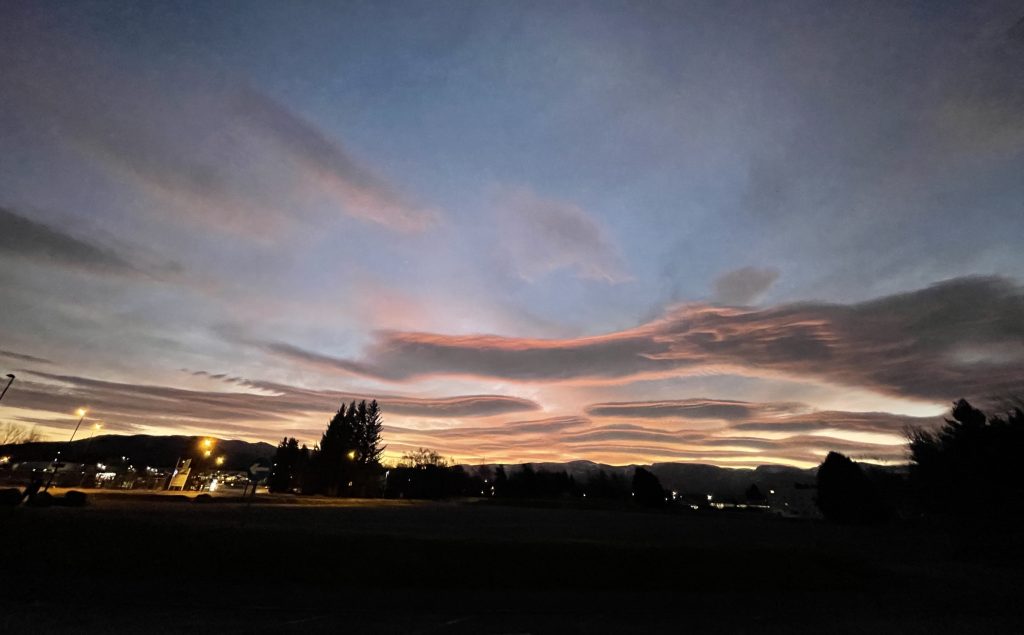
(220, 460)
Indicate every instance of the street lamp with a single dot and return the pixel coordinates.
(88, 444)
(81, 416)
(10, 380)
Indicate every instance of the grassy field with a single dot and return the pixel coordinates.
(137, 564)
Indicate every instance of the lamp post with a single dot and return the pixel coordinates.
(88, 444)
(81, 417)
(10, 380)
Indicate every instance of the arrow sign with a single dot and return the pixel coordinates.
(258, 471)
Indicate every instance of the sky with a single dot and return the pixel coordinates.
(727, 233)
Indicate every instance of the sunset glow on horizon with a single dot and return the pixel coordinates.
(716, 233)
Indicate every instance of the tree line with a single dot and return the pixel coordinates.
(966, 466)
(346, 462)
(969, 466)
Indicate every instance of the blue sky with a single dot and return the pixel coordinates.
(741, 202)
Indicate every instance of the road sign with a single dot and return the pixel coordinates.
(259, 471)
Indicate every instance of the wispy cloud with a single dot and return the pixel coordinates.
(744, 286)
(218, 151)
(26, 238)
(960, 337)
(542, 235)
(690, 408)
(259, 402)
(324, 164)
(22, 357)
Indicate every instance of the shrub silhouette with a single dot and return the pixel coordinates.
(74, 498)
(846, 494)
(42, 499)
(647, 489)
(754, 495)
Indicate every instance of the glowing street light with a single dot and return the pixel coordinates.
(220, 460)
(352, 455)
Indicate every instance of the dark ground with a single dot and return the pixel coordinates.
(132, 564)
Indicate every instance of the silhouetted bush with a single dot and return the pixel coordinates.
(846, 494)
(74, 498)
(41, 499)
(10, 497)
(605, 486)
(755, 496)
(970, 465)
(203, 498)
(647, 489)
(433, 482)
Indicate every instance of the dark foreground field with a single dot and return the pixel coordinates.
(133, 565)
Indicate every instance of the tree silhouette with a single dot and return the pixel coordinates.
(970, 463)
(369, 436)
(423, 458)
(14, 434)
(846, 494)
(647, 489)
(500, 481)
(290, 465)
(347, 460)
(754, 495)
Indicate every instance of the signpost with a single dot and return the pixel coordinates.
(258, 472)
(179, 478)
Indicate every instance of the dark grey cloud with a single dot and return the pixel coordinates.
(697, 408)
(269, 404)
(23, 237)
(962, 337)
(537, 428)
(22, 357)
(828, 420)
(744, 286)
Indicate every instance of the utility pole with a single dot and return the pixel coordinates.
(10, 380)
